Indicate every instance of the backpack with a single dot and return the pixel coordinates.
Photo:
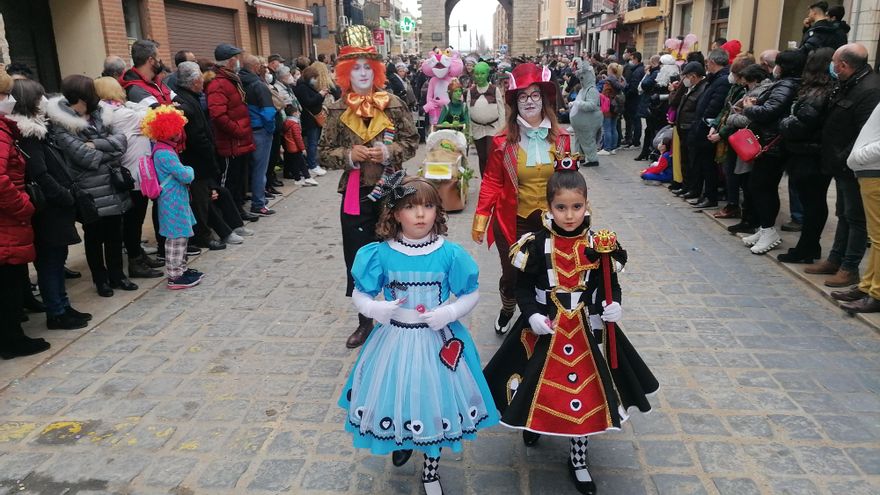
(150, 186)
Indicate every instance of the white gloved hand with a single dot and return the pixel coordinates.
(539, 325)
(439, 318)
(383, 311)
(612, 312)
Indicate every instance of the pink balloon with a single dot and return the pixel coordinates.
(672, 43)
(690, 39)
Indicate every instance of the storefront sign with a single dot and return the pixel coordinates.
(282, 13)
(378, 37)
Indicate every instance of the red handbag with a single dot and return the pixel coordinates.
(747, 146)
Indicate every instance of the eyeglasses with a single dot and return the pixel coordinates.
(535, 97)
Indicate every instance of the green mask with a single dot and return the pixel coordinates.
(481, 73)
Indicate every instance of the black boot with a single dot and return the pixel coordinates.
(22, 346)
(68, 273)
(357, 338)
(78, 314)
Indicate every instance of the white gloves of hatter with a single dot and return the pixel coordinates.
(611, 313)
(438, 319)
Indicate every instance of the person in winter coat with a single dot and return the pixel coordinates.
(661, 170)
(709, 106)
(127, 118)
(802, 137)
(82, 130)
(765, 114)
(294, 162)
(142, 83)
(655, 92)
(585, 114)
(821, 32)
(262, 112)
(854, 96)
(54, 225)
(633, 135)
(312, 101)
(693, 85)
(231, 123)
(16, 234)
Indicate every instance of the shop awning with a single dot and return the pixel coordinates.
(608, 25)
(279, 12)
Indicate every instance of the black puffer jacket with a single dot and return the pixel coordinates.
(823, 34)
(848, 110)
(92, 148)
(199, 153)
(802, 133)
(311, 101)
(771, 107)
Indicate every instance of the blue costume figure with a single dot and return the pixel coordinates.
(417, 383)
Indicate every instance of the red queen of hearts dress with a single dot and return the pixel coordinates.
(561, 384)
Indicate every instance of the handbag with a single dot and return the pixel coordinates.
(747, 146)
(121, 178)
(320, 117)
(35, 193)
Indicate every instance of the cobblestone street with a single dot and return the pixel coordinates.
(231, 387)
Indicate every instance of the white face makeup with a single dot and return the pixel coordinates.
(361, 76)
(526, 103)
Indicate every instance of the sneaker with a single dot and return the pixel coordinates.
(604, 153)
(185, 281)
(769, 240)
(300, 182)
(195, 273)
(310, 182)
(147, 248)
(192, 250)
(319, 171)
(244, 231)
(751, 240)
(263, 212)
(613, 152)
(233, 238)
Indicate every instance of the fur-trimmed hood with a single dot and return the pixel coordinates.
(36, 126)
(59, 112)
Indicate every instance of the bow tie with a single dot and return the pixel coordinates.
(537, 133)
(365, 106)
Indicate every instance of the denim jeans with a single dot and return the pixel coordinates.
(851, 237)
(312, 136)
(609, 133)
(795, 206)
(263, 141)
(50, 277)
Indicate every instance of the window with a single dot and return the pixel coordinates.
(720, 13)
(686, 15)
(131, 12)
(649, 46)
(572, 23)
(572, 4)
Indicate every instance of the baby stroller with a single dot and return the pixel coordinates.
(446, 166)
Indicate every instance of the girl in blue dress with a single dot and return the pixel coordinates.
(417, 383)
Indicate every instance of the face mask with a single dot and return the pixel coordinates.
(237, 66)
(731, 78)
(7, 105)
(313, 81)
(687, 82)
(776, 72)
(832, 71)
(268, 78)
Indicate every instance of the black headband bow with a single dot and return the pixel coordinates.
(393, 189)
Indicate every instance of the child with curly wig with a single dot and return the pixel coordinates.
(417, 384)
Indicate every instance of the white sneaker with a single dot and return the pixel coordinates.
(244, 231)
(148, 249)
(233, 238)
(319, 171)
(751, 240)
(604, 153)
(310, 182)
(300, 182)
(614, 152)
(769, 240)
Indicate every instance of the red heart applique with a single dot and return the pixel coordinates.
(451, 352)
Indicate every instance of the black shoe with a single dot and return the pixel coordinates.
(584, 487)
(674, 185)
(68, 273)
(706, 204)
(276, 183)
(33, 305)
(502, 324)
(65, 321)
(211, 245)
(124, 284)
(530, 438)
(640, 158)
(272, 190)
(104, 289)
(793, 256)
(248, 216)
(690, 195)
(288, 175)
(195, 250)
(151, 262)
(137, 269)
(741, 228)
(268, 195)
(695, 201)
(23, 346)
(399, 457)
(85, 316)
(591, 164)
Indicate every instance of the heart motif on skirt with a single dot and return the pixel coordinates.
(451, 352)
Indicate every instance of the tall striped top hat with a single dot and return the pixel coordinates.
(357, 42)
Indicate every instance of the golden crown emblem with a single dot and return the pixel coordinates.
(604, 241)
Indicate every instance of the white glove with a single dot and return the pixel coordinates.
(439, 318)
(612, 312)
(539, 325)
(381, 311)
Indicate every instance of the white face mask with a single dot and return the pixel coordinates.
(777, 72)
(237, 66)
(268, 77)
(313, 81)
(530, 109)
(7, 105)
(687, 82)
(731, 78)
(362, 76)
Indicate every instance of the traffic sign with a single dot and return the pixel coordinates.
(407, 24)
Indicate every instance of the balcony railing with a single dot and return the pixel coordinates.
(637, 4)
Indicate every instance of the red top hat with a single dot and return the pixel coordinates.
(524, 75)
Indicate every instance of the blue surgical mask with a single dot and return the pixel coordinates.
(831, 70)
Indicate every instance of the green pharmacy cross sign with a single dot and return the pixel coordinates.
(407, 24)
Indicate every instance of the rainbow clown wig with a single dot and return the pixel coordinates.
(163, 123)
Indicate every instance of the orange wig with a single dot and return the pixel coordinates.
(343, 74)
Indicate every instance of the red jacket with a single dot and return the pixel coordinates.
(498, 191)
(293, 138)
(230, 119)
(138, 89)
(16, 210)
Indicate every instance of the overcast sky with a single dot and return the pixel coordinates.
(477, 14)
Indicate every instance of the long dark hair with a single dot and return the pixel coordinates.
(816, 79)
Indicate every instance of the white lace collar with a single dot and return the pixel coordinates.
(416, 247)
(544, 123)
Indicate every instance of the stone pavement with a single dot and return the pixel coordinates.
(231, 387)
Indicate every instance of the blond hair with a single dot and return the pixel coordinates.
(109, 88)
(324, 79)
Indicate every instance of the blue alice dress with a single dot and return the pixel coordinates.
(407, 390)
